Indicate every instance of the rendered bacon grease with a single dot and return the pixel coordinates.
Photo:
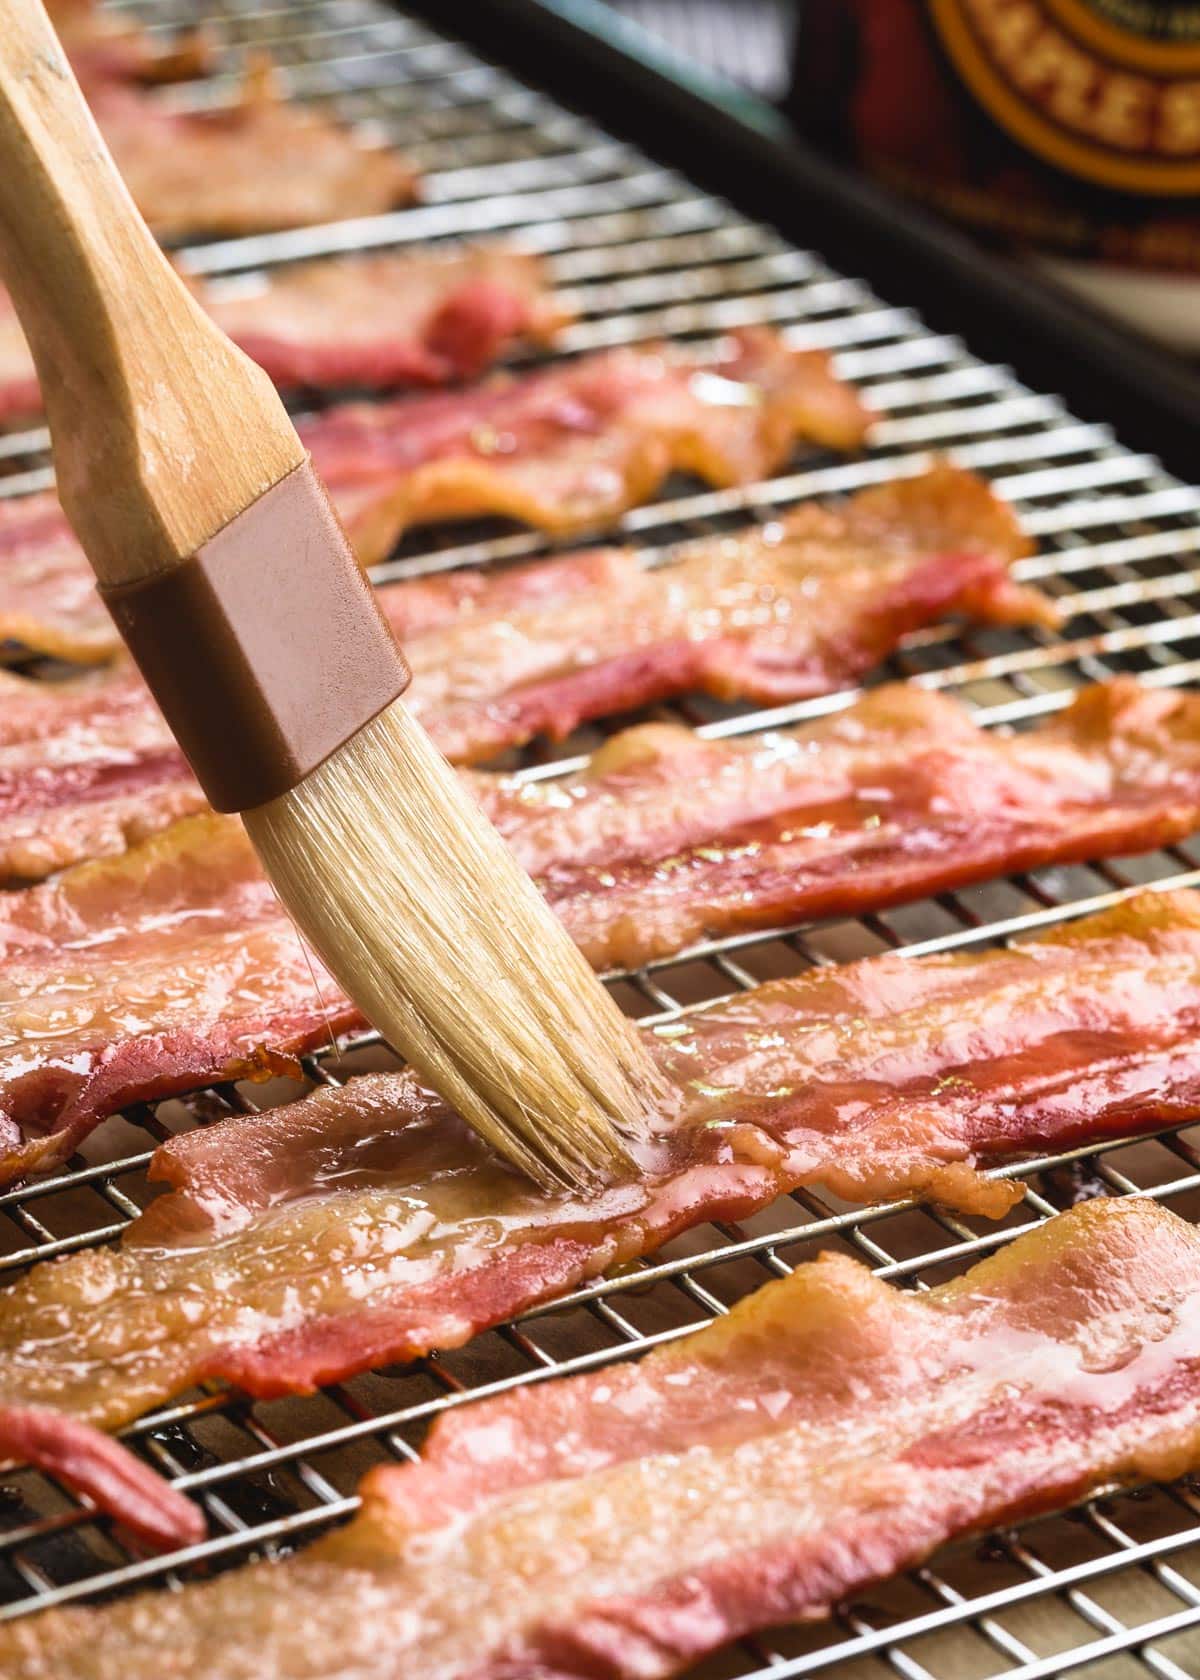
(829, 1432)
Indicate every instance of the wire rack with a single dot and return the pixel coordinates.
(1113, 1587)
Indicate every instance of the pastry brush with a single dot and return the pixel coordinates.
(225, 568)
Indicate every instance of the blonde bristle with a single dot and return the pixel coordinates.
(424, 918)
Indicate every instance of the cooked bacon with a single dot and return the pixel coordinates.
(48, 599)
(87, 768)
(260, 164)
(667, 837)
(102, 47)
(783, 612)
(380, 320)
(386, 319)
(366, 1225)
(143, 975)
(103, 1471)
(790, 610)
(779, 613)
(829, 1432)
(574, 446)
(545, 447)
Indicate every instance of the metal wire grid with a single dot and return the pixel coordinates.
(640, 253)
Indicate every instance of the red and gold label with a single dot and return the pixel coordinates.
(1108, 90)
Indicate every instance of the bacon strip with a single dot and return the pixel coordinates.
(665, 838)
(831, 1431)
(87, 768)
(103, 1471)
(885, 1078)
(380, 320)
(797, 608)
(564, 448)
(48, 599)
(572, 447)
(260, 164)
(499, 657)
(102, 47)
(142, 975)
(387, 319)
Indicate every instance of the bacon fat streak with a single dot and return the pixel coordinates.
(829, 1432)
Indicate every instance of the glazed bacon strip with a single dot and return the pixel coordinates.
(499, 657)
(386, 319)
(830, 1431)
(574, 446)
(366, 1224)
(569, 447)
(87, 768)
(665, 838)
(256, 165)
(381, 320)
(142, 975)
(797, 608)
(103, 47)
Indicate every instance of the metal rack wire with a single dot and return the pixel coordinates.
(641, 253)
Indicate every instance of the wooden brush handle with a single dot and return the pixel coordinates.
(163, 431)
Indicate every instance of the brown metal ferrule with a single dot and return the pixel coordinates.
(266, 650)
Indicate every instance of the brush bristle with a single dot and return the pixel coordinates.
(425, 919)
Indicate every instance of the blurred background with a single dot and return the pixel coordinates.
(749, 41)
(1066, 132)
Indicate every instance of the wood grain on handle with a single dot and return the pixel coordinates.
(163, 432)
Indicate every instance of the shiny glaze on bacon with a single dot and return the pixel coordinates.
(499, 657)
(259, 164)
(782, 612)
(144, 975)
(379, 320)
(667, 838)
(567, 447)
(831, 1431)
(899, 796)
(571, 447)
(87, 768)
(366, 1225)
(104, 47)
